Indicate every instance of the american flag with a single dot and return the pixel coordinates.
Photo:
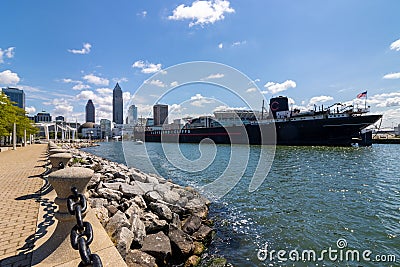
(361, 95)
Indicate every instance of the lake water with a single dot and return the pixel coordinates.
(341, 203)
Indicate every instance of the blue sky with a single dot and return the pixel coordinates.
(64, 52)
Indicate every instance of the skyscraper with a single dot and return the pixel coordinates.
(118, 105)
(90, 111)
(16, 95)
(132, 115)
(160, 114)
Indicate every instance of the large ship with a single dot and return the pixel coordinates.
(337, 125)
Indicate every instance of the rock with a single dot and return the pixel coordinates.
(161, 210)
(192, 224)
(176, 221)
(158, 245)
(152, 180)
(198, 248)
(138, 200)
(137, 258)
(138, 229)
(133, 210)
(217, 262)
(112, 209)
(198, 207)
(136, 175)
(204, 234)
(95, 180)
(171, 197)
(98, 202)
(109, 194)
(113, 186)
(153, 224)
(131, 190)
(192, 261)
(124, 238)
(115, 223)
(145, 186)
(152, 196)
(181, 242)
(101, 214)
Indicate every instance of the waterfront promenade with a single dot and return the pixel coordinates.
(20, 185)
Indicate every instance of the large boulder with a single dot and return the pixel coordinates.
(182, 243)
(153, 224)
(192, 224)
(115, 223)
(109, 194)
(124, 238)
(101, 214)
(204, 234)
(131, 190)
(137, 258)
(157, 245)
(161, 210)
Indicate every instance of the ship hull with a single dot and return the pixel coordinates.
(326, 132)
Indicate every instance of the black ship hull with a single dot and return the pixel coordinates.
(343, 131)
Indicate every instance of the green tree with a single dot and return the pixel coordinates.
(10, 114)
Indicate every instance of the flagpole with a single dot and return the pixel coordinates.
(365, 103)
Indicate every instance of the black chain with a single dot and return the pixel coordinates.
(82, 233)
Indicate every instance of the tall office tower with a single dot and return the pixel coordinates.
(16, 95)
(90, 111)
(118, 105)
(132, 115)
(160, 114)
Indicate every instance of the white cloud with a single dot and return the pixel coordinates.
(80, 86)
(85, 50)
(91, 78)
(395, 75)
(104, 91)
(251, 90)
(238, 43)
(174, 84)
(30, 110)
(319, 99)
(202, 12)
(8, 77)
(157, 83)
(220, 45)
(199, 101)
(120, 80)
(8, 53)
(61, 106)
(395, 45)
(147, 67)
(385, 100)
(143, 14)
(28, 88)
(68, 80)
(214, 76)
(274, 88)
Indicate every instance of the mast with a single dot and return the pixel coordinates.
(262, 110)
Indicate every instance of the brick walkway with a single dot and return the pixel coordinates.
(19, 184)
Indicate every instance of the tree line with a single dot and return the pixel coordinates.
(10, 114)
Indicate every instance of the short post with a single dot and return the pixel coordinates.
(53, 151)
(58, 247)
(59, 161)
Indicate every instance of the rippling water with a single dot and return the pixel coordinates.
(311, 198)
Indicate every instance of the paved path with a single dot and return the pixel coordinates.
(19, 206)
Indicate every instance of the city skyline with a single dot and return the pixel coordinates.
(314, 53)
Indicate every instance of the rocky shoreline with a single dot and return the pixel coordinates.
(152, 221)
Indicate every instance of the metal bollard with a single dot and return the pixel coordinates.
(57, 150)
(62, 181)
(59, 161)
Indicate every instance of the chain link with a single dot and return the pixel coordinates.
(82, 233)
